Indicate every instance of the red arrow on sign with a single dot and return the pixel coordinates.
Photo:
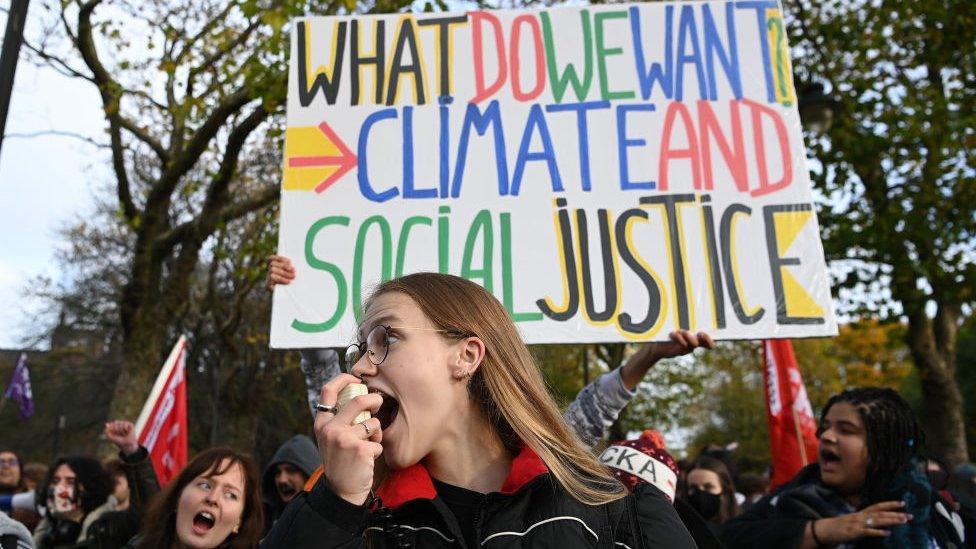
(345, 161)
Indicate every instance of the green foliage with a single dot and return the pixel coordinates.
(670, 398)
(897, 169)
(733, 399)
(563, 367)
(896, 173)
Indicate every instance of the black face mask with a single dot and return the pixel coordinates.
(706, 503)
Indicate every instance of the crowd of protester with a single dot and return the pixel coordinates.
(466, 448)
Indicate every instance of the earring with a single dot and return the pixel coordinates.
(236, 528)
(461, 374)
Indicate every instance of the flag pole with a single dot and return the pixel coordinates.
(158, 385)
(799, 437)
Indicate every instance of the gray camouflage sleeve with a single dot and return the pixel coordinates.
(597, 406)
(319, 366)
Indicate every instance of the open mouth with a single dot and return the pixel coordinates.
(203, 522)
(286, 491)
(827, 456)
(388, 410)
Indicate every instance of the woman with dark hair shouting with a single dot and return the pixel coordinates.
(214, 502)
(867, 489)
(477, 451)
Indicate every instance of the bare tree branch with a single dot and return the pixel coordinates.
(256, 201)
(58, 133)
(182, 162)
(57, 64)
(118, 163)
(142, 135)
(146, 96)
(207, 28)
(212, 59)
(110, 91)
(228, 164)
(211, 214)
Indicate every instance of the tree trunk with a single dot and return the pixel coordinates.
(142, 356)
(941, 412)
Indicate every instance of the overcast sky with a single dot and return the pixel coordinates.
(45, 182)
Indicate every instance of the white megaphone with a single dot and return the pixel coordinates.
(11, 502)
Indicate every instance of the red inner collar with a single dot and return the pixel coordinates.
(414, 482)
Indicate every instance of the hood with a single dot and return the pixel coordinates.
(299, 451)
(9, 526)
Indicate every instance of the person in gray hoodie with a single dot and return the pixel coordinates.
(14, 535)
(286, 474)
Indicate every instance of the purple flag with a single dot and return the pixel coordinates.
(20, 388)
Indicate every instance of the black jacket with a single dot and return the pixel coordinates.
(531, 510)
(117, 528)
(779, 519)
(299, 451)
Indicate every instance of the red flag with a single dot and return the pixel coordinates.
(792, 428)
(162, 426)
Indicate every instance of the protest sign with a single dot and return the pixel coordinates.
(610, 173)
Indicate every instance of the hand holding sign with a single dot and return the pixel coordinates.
(280, 271)
(682, 342)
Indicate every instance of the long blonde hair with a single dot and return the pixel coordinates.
(508, 386)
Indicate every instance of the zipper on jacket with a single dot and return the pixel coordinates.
(477, 522)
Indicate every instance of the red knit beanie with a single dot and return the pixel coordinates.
(643, 459)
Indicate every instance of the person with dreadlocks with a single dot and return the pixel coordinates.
(867, 489)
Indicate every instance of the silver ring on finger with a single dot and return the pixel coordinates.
(366, 427)
(319, 407)
(869, 522)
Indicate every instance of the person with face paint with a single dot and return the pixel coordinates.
(214, 502)
(868, 487)
(709, 490)
(75, 494)
(476, 452)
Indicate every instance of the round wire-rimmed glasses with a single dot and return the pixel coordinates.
(375, 347)
(377, 344)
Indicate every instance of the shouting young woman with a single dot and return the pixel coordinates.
(867, 489)
(476, 450)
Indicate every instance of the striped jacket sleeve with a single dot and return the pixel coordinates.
(597, 406)
(319, 366)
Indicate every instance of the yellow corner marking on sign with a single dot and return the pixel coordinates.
(799, 303)
(788, 227)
